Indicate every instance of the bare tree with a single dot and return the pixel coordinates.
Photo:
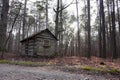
(10, 32)
(78, 27)
(89, 30)
(103, 29)
(3, 23)
(114, 52)
(24, 20)
(46, 13)
(118, 14)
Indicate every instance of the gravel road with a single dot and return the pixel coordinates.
(15, 72)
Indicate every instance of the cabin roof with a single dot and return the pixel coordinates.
(32, 36)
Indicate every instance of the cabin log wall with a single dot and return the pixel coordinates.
(36, 45)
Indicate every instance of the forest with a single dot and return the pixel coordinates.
(92, 30)
(84, 36)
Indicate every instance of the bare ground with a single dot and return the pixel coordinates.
(15, 72)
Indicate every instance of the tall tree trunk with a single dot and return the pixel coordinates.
(46, 13)
(3, 23)
(99, 29)
(118, 15)
(109, 26)
(103, 30)
(61, 29)
(114, 52)
(78, 32)
(24, 20)
(100, 38)
(56, 25)
(57, 19)
(89, 31)
(19, 36)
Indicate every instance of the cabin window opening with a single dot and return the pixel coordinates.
(40, 42)
(46, 44)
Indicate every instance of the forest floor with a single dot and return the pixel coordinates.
(66, 68)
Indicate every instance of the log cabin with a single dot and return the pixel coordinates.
(39, 44)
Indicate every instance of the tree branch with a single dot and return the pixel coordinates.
(63, 7)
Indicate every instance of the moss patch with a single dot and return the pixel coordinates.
(103, 70)
(113, 71)
(26, 63)
(88, 68)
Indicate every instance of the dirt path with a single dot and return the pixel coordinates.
(13, 72)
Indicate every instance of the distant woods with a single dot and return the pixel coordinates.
(94, 29)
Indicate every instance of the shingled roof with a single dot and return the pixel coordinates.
(45, 30)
